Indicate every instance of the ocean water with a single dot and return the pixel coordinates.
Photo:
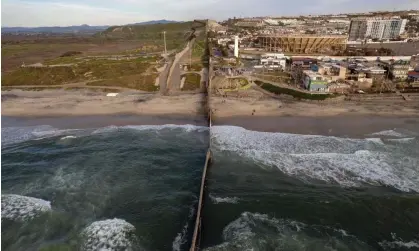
(111, 188)
(136, 188)
(278, 191)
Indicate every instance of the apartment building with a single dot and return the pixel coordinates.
(376, 28)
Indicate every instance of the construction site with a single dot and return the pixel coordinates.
(301, 44)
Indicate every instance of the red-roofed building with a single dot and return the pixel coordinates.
(413, 77)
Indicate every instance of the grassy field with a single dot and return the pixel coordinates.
(192, 82)
(39, 76)
(138, 73)
(78, 55)
(296, 94)
(138, 82)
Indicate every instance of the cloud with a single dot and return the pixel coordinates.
(20, 13)
(101, 12)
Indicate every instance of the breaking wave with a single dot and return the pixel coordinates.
(113, 234)
(389, 133)
(187, 128)
(21, 208)
(345, 161)
(398, 243)
(181, 237)
(12, 135)
(217, 200)
(254, 231)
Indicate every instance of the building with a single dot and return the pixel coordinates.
(376, 28)
(301, 43)
(304, 63)
(273, 60)
(250, 23)
(397, 69)
(413, 78)
(314, 81)
(357, 30)
(333, 71)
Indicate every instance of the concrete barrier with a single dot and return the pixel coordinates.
(197, 228)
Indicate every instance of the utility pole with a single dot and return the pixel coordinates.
(164, 36)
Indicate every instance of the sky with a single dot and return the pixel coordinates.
(32, 13)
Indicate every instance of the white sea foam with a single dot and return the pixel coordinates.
(112, 234)
(187, 128)
(217, 200)
(398, 243)
(181, 237)
(402, 140)
(10, 135)
(68, 137)
(375, 140)
(349, 162)
(389, 133)
(259, 231)
(22, 208)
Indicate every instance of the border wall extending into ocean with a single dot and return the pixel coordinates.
(196, 237)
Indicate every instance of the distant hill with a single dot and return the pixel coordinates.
(75, 28)
(174, 30)
(55, 29)
(163, 21)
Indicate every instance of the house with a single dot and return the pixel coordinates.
(398, 69)
(314, 81)
(413, 78)
(273, 60)
(332, 71)
(305, 63)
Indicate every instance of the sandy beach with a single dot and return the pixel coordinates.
(266, 106)
(80, 103)
(78, 109)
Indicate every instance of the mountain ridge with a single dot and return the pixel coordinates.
(74, 28)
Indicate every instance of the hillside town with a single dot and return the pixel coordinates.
(345, 53)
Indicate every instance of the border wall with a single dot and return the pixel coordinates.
(196, 237)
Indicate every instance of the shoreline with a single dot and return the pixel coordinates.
(80, 109)
(356, 126)
(98, 121)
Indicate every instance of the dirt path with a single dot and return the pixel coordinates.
(75, 85)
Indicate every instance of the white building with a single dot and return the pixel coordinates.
(273, 60)
(385, 29)
(376, 28)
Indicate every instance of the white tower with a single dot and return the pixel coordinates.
(236, 46)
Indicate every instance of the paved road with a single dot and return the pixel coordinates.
(173, 79)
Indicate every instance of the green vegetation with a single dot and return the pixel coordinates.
(139, 82)
(39, 76)
(105, 69)
(136, 73)
(198, 49)
(296, 94)
(196, 67)
(70, 53)
(176, 33)
(30, 88)
(63, 60)
(192, 82)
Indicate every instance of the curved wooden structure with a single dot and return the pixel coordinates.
(302, 44)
